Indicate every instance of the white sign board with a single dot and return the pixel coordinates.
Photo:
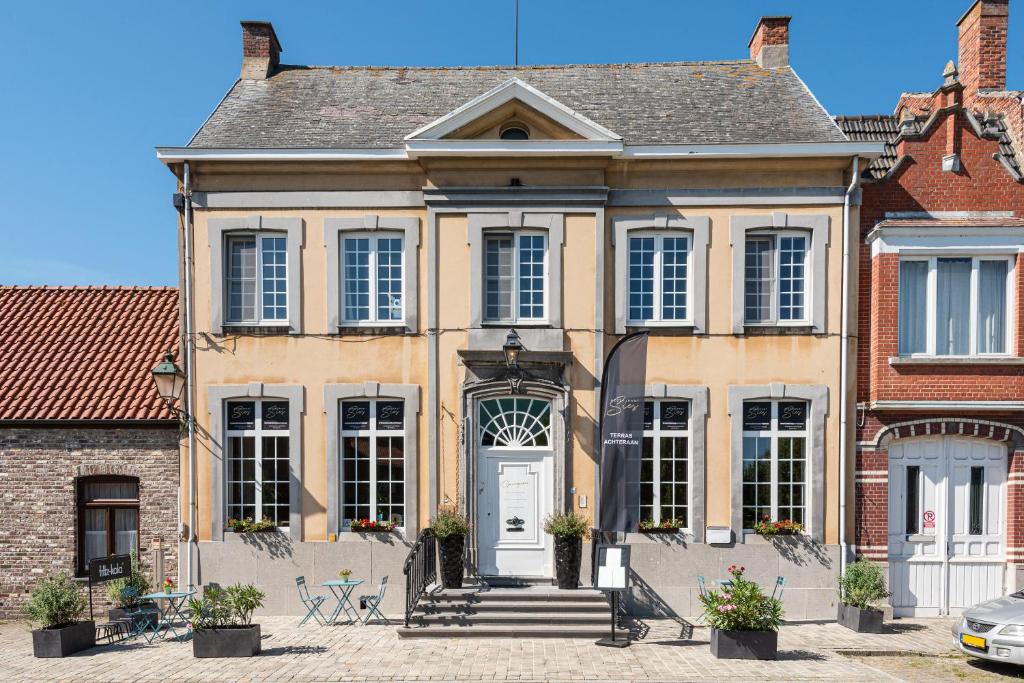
(612, 567)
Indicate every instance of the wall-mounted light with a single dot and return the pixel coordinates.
(512, 347)
(170, 381)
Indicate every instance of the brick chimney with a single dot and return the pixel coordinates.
(982, 46)
(260, 50)
(769, 46)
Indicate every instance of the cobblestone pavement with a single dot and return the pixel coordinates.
(665, 651)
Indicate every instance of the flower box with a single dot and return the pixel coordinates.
(229, 641)
(860, 620)
(63, 640)
(661, 530)
(371, 526)
(744, 644)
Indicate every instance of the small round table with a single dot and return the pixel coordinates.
(342, 589)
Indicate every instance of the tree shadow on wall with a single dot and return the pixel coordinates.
(274, 543)
(801, 550)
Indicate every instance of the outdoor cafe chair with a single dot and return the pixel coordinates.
(373, 602)
(311, 602)
(143, 621)
(780, 585)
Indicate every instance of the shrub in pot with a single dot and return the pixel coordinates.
(57, 604)
(744, 621)
(222, 621)
(861, 586)
(450, 529)
(127, 601)
(568, 530)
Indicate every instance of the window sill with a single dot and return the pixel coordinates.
(372, 330)
(955, 360)
(515, 323)
(258, 330)
(778, 330)
(681, 330)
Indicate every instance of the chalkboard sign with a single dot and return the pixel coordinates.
(355, 415)
(110, 568)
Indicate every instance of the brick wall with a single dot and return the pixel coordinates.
(38, 472)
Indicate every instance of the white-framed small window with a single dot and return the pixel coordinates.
(955, 305)
(258, 443)
(257, 279)
(776, 286)
(776, 465)
(515, 277)
(659, 279)
(665, 463)
(373, 460)
(372, 268)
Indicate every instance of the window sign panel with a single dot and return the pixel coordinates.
(757, 416)
(675, 414)
(275, 415)
(355, 415)
(390, 414)
(242, 415)
(648, 415)
(792, 416)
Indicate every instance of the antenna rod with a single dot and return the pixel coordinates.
(517, 34)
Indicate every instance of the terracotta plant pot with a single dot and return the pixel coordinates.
(568, 555)
(860, 620)
(64, 641)
(744, 644)
(452, 551)
(235, 641)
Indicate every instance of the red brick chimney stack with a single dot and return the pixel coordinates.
(982, 47)
(260, 50)
(769, 46)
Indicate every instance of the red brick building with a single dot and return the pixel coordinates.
(940, 418)
(88, 451)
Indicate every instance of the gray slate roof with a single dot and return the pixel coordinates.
(873, 128)
(725, 102)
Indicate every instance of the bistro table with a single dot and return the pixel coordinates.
(342, 589)
(171, 613)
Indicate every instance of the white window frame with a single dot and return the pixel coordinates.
(932, 303)
(659, 251)
(374, 238)
(259, 320)
(257, 433)
(774, 319)
(656, 433)
(372, 434)
(515, 319)
(773, 434)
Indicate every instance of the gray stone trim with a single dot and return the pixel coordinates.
(728, 196)
(553, 198)
(697, 395)
(699, 228)
(817, 395)
(410, 227)
(533, 338)
(219, 228)
(341, 199)
(410, 393)
(216, 396)
(818, 225)
(553, 223)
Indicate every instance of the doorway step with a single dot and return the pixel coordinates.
(523, 612)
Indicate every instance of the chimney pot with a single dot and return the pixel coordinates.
(769, 46)
(260, 50)
(982, 46)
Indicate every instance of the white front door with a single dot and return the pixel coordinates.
(947, 526)
(516, 487)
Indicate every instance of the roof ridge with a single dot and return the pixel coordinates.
(86, 288)
(506, 67)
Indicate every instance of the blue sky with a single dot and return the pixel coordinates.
(90, 88)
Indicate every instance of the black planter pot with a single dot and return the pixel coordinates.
(568, 554)
(64, 641)
(452, 549)
(744, 644)
(236, 641)
(860, 620)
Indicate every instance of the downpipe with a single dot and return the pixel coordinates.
(844, 362)
(189, 384)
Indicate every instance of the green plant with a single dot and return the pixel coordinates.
(649, 524)
(569, 525)
(448, 522)
(862, 584)
(225, 607)
(137, 580)
(741, 606)
(56, 601)
(344, 574)
(783, 527)
(247, 526)
(371, 525)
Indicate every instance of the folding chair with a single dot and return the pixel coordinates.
(780, 585)
(312, 603)
(144, 621)
(372, 602)
(702, 586)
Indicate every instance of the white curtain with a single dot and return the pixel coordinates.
(913, 307)
(992, 307)
(126, 524)
(95, 534)
(953, 307)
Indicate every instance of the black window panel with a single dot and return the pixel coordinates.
(355, 415)
(242, 415)
(275, 415)
(648, 414)
(675, 414)
(792, 416)
(390, 414)
(912, 498)
(757, 415)
(976, 499)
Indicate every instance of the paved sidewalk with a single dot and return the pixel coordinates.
(375, 653)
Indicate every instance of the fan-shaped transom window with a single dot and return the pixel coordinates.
(515, 423)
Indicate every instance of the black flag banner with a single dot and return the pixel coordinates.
(622, 428)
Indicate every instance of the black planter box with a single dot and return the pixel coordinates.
(860, 620)
(238, 641)
(64, 641)
(744, 644)
(568, 555)
(451, 550)
(660, 530)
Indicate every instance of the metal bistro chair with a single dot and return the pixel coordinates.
(312, 603)
(780, 585)
(372, 603)
(144, 621)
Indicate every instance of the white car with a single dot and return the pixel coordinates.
(993, 630)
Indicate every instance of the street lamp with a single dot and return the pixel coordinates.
(512, 347)
(169, 380)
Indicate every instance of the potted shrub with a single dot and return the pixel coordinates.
(345, 574)
(668, 526)
(568, 530)
(744, 621)
(860, 587)
(450, 529)
(57, 604)
(129, 601)
(222, 622)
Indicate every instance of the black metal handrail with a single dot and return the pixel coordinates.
(420, 570)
